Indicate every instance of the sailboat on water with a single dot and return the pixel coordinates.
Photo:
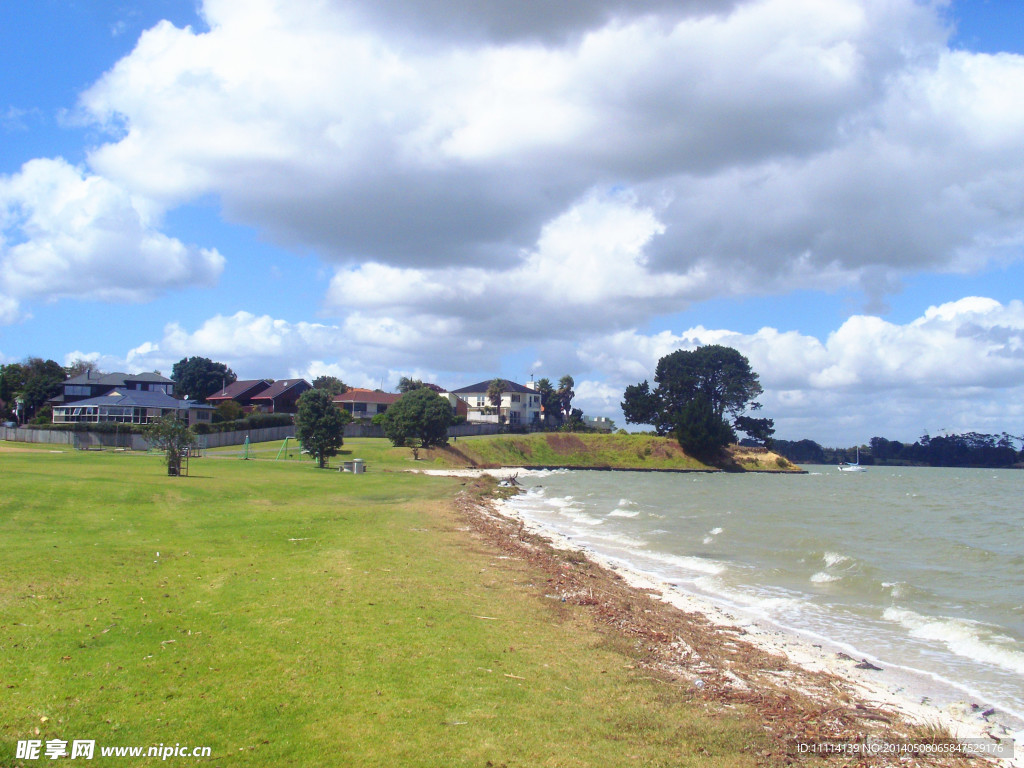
(846, 466)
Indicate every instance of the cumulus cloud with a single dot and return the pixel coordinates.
(770, 145)
(360, 351)
(66, 233)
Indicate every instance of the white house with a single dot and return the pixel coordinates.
(520, 405)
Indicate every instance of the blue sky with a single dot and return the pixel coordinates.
(449, 191)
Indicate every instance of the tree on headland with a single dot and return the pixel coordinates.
(700, 396)
(421, 416)
(199, 377)
(320, 425)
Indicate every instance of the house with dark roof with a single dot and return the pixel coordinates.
(365, 403)
(520, 405)
(242, 392)
(94, 384)
(282, 396)
(131, 406)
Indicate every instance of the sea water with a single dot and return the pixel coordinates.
(917, 569)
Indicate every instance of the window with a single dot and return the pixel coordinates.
(515, 398)
(77, 390)
(481, 401)
(513, 417)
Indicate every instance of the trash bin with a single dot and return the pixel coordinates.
(358, 467)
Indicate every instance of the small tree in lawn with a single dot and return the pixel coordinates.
(320, 425)
(172, 436)
(420, 416)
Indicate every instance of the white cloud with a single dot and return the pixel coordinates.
(67, 233)
(959, 363)
(448, 161)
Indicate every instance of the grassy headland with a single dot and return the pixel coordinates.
(600, 451)
(288, 616)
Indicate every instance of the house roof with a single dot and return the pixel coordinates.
(366, 396)
(117, 379)
(239, 388)
(483, 385)
(136, 398)
(279, 387)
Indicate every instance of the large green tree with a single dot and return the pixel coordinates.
(699, 391)
(332, 384)
(320, 425)
(421, 415)
(34, 381)
(199, 377)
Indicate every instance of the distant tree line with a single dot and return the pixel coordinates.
(970, 449)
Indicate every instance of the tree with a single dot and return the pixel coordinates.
(494, 392)
(421, 415)
(172, 436)
(700, 431)
(229, 410)
(406, 384)
(544, 388)
(713, 380)
(320, 425)
(79, 366)
(758, 430)
(574, 421)
(331, 384)
(199, 377)
(564, 396)
(39, 381)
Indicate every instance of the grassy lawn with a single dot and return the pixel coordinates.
(283, 615)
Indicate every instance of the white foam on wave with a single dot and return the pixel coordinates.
(715, 531)
(619, 539)
(833, 559)
(963, 637)
(698, 564)
(619, 512)
(626, 503)
(708, 539)
(582, 517)
(821, 577)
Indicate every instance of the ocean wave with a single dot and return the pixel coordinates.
(619, 512)
(821, 577)
(687, 562)
(715, 531)
(619, 539)
(832, 559)
(963, 637)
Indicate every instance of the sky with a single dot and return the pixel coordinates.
(457, 190)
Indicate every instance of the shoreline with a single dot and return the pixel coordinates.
(748, 658)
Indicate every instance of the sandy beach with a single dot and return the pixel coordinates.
(807, 692)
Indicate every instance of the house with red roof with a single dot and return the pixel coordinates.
(365, 403)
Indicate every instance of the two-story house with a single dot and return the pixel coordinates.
(520, 405)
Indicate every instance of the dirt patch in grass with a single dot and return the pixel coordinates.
(566, 444)
(697, 660)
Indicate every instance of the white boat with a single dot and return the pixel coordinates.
(855, 467)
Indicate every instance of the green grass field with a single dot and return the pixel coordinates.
(286, 616)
